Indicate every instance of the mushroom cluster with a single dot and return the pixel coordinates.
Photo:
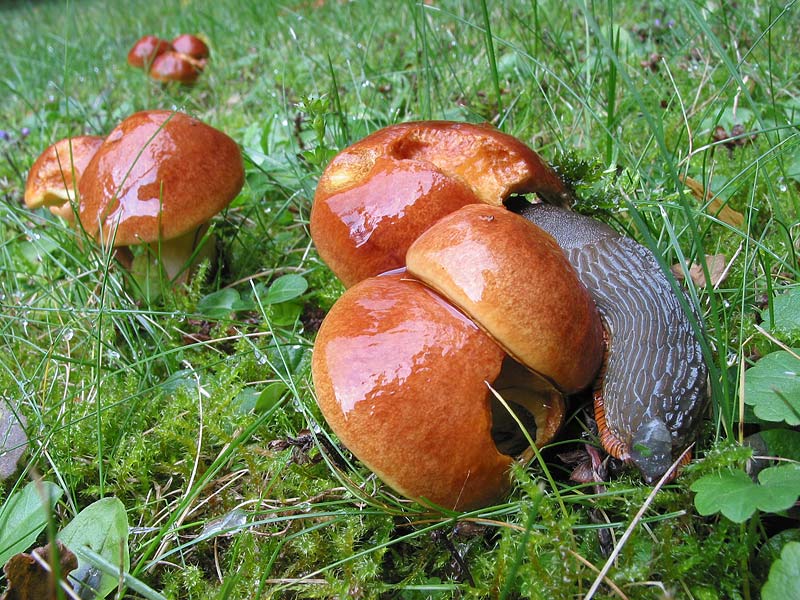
(470, 313)
(155, 180)
(182, 60)
(461, 319)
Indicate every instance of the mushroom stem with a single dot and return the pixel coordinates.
(178, 257)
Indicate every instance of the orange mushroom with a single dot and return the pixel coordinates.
(54, 176)
(174, 66)
(145, 50)
(403, 376)
(400, 377)
(191, 45)
(157, 180)
(514, 280)
(379, 194)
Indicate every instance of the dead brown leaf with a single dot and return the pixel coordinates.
(28, 579)
(734, 139)
(716, 206)
(13, 439)
(717, 270)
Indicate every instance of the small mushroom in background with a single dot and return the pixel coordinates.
(379, 194)
(182, 60)
(401, 372)
(156, 181)
(184, 63)
(174, 66)
(54, 176)
(144, 52)
(191, 46)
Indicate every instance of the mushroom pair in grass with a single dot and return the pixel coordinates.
(465, 324)
(410, 366)
(155, 180)
(182, 60)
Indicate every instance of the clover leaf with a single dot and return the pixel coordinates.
(772, 388)
(737, 497)
(784, 574)
(785, 317)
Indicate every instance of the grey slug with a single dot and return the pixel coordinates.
(648, 401)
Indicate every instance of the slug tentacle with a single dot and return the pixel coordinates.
(654, 386)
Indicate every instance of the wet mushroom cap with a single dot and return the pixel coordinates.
(145, 50)
(365, 229)
(157, 176)
(190, 45)
(381, 192)
(400, 377)
(515, 281)
(494, 164)
(174, 66)
(50, 179)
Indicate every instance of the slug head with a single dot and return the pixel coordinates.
(651, 449)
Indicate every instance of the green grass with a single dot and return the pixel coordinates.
(152, 402)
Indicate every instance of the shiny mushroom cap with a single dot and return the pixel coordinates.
(145, 51)
(514, 280)
(54, 175)
(157, 176)
(174, 66)
(365, 229)
(191, 45)
(379, 194)
(400, 376)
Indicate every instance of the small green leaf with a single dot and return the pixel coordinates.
(245, 401)
(284, 314)
(103, 527)
(23, 517)
(219, 304)
(772, 388)
(285, 288)
(780, 487)
(785, 313)
(784, 575)
(729, 492)
(284, 359)
(782, 442)
(737, 497)
(270, 396)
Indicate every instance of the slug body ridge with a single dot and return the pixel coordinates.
(648, 402)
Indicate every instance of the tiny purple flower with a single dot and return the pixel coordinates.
(671, 23)
(657, 22)
(4, 135)
(25, 132)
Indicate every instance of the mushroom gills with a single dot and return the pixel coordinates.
(654, 387)
(536, 405)
(506, 433)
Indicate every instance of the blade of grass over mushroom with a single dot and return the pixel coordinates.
(532, 446)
